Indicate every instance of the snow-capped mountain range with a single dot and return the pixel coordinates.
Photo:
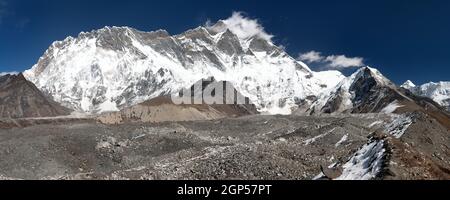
(116, 67)
(439, 92)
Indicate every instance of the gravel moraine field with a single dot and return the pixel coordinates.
(252, 147)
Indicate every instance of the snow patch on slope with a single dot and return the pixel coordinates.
(314, 139)
(399, 125)
(391, 107)
(343, 139)
(375, 123)
(366, 164)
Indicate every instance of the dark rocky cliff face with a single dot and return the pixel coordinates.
(369, 92)
(20, 98)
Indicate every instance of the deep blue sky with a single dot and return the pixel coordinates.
(405, 39)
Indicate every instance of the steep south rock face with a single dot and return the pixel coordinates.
(20, 98)
(116, 67)
(366, 91)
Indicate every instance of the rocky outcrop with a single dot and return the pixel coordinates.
(163, 109)
(20, 98)
(368, 91)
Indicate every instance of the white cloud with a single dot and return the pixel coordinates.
(333, 61)
(12, 73)
(242, 26)
(312, 56)
(342, 61)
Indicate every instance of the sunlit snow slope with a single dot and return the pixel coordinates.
(116, 67)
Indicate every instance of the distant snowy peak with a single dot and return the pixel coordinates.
(408, 85)
(116, 67)
(360, 92)
(368, 91)
(366, 73)
(439, 92)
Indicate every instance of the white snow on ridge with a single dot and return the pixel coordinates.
(399, 125)
(391, 107)
(366, 164)
(314, 139)
(375, 123)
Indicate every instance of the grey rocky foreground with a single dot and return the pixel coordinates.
(255, 147)
(365, 146)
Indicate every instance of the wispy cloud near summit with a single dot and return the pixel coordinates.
(244, 27)
(332, 61)
(312, 56)
(342, 61)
